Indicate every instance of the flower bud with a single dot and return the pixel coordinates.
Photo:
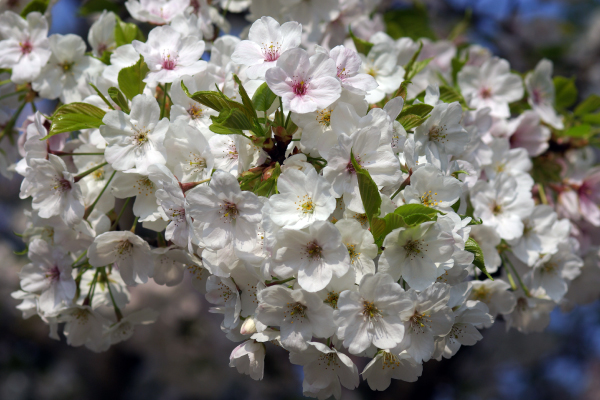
(248, 327)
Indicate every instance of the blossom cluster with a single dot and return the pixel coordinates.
(337, 193)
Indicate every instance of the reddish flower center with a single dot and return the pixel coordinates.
(300, 87)
(485, 93)
(53, 274)
(271, 51)
(169, 62)
(26, 47)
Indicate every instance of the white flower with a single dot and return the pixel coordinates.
(65, 75)
(418, 253)
(514, 162)
(495, 295)
(267, 41)
(299, 314)
(524, 131)
(25, 48)
(170, 56)
(553, 272)
(135, 140)
(348, 64)
(303, 198)
(126, 185)
(427, 317)
(227, 214)
(540, 93)
(249, 359)
(129, 252)
(170, 264)
(491, 85)
(318, 134)
(468, 315)
(54, 190)
(102, 34)
(488, 239)
(501, 204)
(49, 275)
(371, 315)
(234, 153)
(361, 247)
(305, 84)
(531, 314)
(189, 110)
(432, 189)
(123, 57)
(156, 11)
(326, 370)
(542, 232)
(225, 294)
(387, 365)
(83, 327)
(381, 64)
(123, 329)
(376, 157)
(314, 255)
(441, 134)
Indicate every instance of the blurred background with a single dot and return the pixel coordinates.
(184, 355)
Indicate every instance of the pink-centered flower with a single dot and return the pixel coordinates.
(304, 83)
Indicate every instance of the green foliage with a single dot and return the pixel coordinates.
(579, 131)
(75, 116)
(411, 121)
(420, 110)
(35, 5)
(450, 95)
(232, 118)
(362, 46)
(131, 79)
(588, 106)
(457, 65)
(473, 247)
(269, 185)
(97, 6)
(126, 33)
(369, 192)
(117, 96)
(566, 92)
(410, 22)
(545, 170)
(263, 98)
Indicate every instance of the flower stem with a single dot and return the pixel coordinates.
(163, 108)
(12, 94)
(403, 185)
(89, 210)
(79, 258)
(542, 194)
(64, 154)
(514, 270)
(89, 171)
(279, 282)
(114, 225)
(118, 313)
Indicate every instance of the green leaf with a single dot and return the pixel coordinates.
(457, 65)
(381, 227)
(409, 22)
(263, 98)
(97, 6)
(589, 105)
(74, 117)
(417, 219)
(579, 131)
(409, 65)
(411, 121)
(105, 58)
(416, 67)
(450, 95)
(245, 98)
(119, 99)
(35, 5)
(407, 210)
(593, 119)
(269, 186)
(131, 79)
(126, 33)
(217, 101)
(473, 247)
(362, 46)
(456, 206)
(369, 192)
(233, 118)
(420, 110)
(566, 92)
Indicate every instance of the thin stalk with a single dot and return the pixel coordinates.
(287, 120)
(403, 185)
(12, 94)
(135, 221)
(64, 154)
(118, 313)
(542, 193)
(89, 210)
(281, 108)
(89, 171)
(90, 295)
(514, 270)
(163, 108)
(79, 258)
(279, 282)
(114, 225)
